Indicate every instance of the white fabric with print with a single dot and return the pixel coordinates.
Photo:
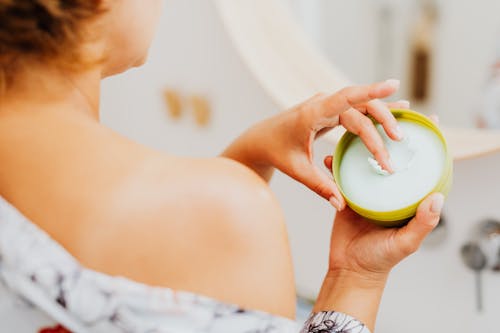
(42, 285)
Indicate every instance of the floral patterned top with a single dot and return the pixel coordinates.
(42, 285)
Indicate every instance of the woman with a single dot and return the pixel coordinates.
(76, 194)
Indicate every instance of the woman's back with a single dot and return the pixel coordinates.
(123, 209)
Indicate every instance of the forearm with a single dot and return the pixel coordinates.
(248, 150)
(352, 294)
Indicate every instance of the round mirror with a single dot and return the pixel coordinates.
(296, 48)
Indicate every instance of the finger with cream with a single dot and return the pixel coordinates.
(421, 164)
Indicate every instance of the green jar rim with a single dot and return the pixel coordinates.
(395, 217)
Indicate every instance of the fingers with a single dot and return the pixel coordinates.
(402, 104)
(351, 96)
(339, 205)
(321, 183)
(365, 129)
(362, 126)
(383, 115)
(409, 238)
(381, 111)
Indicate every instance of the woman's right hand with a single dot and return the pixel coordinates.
(362, 254)
(285, 141)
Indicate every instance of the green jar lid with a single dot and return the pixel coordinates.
(400, 216)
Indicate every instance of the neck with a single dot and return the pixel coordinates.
(48, 88)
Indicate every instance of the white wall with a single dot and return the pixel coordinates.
(191, 54)
(430, 292)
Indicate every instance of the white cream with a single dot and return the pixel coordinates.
(418, 160)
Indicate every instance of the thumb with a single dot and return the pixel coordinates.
(318, 181)
(409, 238)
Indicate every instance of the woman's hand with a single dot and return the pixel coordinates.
(362, 255)
(285, 141)
(362, 248)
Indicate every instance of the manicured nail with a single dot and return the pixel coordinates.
(393, 83)
(398, 131)
(335, 203)
(435, 118)
(390, 163)
(437, 203)
(405, 103)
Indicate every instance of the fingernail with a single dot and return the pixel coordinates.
(437, 203)
(391, 165)
(393, 83)
(335, 203)
(405, 103)
(398, 131)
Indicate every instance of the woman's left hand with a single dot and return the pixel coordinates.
(285, 141)
(362, 254)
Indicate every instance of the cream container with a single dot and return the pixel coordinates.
(422, 165)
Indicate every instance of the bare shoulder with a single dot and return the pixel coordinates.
(210, 226)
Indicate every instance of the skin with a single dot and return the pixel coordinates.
(210, 226)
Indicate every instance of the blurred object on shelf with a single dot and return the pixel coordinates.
(173, 101)
(489, 113)
(201, 110)
(422, 46)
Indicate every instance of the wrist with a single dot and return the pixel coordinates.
(249, 150)
(355, 294)
(357, 279)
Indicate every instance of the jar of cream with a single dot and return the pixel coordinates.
(422, 165)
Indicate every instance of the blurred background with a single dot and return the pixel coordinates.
(443, 51)
(196, 94)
